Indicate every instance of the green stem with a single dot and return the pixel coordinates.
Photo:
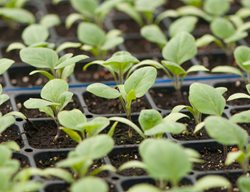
(128, 113)
(177, 83)
(248, 77)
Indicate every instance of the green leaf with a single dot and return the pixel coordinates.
(164, 166)
(227, 69)
(186, 23)
(174, 68)
(54, 89)
(39, 57)
(18, 15)
(71, 61)
(206, 40)
(5, 64)
(149, 118)
(180, 48)
(91, 34)
(166, 126)
(72, 134)
(154, 34)
(72, 119)
(141, 81)
(113, 39)
(15, 46)
(241, 117)
(44, 73)
(96, 126)
(37, 103)
(244, 183)
(242, 55)
(50, 20)
(89, 184)
(35, 34)
(143, 188)
(67, 45)
(217, 8)
(132, 164)
(222, 28)
(95, 147)
(104, 91)
(225, 132)
(206, 99)
(211, 181)
(85, 7)
(72, 18)
(233, 157)
(197, 68)
(238, 96)
(148, 5)
(5, 122)
(59, 173)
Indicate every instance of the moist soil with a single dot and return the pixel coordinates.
(99, 105)
(126, 26)
(14, 54)
(62, 31)
(235, 87)
(24, 162)
(6, 108)
(201, 28)
(62, 9)
(214, 160)
(24, 79)
(12, 134)
(120, 157)
(41, 135)
(34, 113)
(11, 34)
(167, 98)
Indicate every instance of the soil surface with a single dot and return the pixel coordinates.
(12, 134)
(24, 162)
(14, 54)
(126, 25)
(99, 105)
(6, 107)
(41, 135)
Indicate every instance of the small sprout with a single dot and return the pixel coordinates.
(48, 62)
(36, 35)
(55, 96)
(142, 11)
(241, 95)
(82, 157)
(90, 184)
(178, 50)
(75, 124)
(90, 11)
(135, 86)
(94, 40)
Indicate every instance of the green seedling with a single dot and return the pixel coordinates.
(16, 179)
(228, 133)
(141, 11)
(154, 34)
(36, 35)
(178, 50)
(135, 86)
(90, 184)
(152, 124)
(171, 169)
(80, 160)
(55, 96)
(48, 62)
(94, 40)
(204, 99)
(75, 124)
(240, 95)
(196, 3)
(90, 11)
(12, 12)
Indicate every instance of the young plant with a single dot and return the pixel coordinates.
(36, 35)
(240, 95)
(91, 11)
(80, 160)
(135, 86)
(154, 34)
(152, 124)
(228, 133)
(165, 168)
(55, 96)
(48, 62)
(181, 48)
(75, 124)
(196, 3)
(95, 40)
(141, 11)
(204, 99)
(12, 12)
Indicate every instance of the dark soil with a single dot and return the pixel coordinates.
(119, 157)
(245, 126)
(63, 9)
(210, 49)
(126, 26)
(14, 54)
(202, 28)
(34, 113)
(24, 162)
(62, 31)
(6, 107)
(167, 97)
(141, 46)
(214, 159)
(235, 87)
(12, 134)
(24, 79)
(99, 105)
(173, 4)
(41, 135)
(11, 34)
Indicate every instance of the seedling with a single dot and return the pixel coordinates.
(91, 11)
(152, 124)
(90, 184)
(12, 11)
(154, 34)
(55, 96)
(36, 35)
(229, 133)
(95, 40)
(172, 168)
(240, 95)
(80, 160)
(179, 49)
(204, 99)
(75, 124)
(48, 62)
(196, 3)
